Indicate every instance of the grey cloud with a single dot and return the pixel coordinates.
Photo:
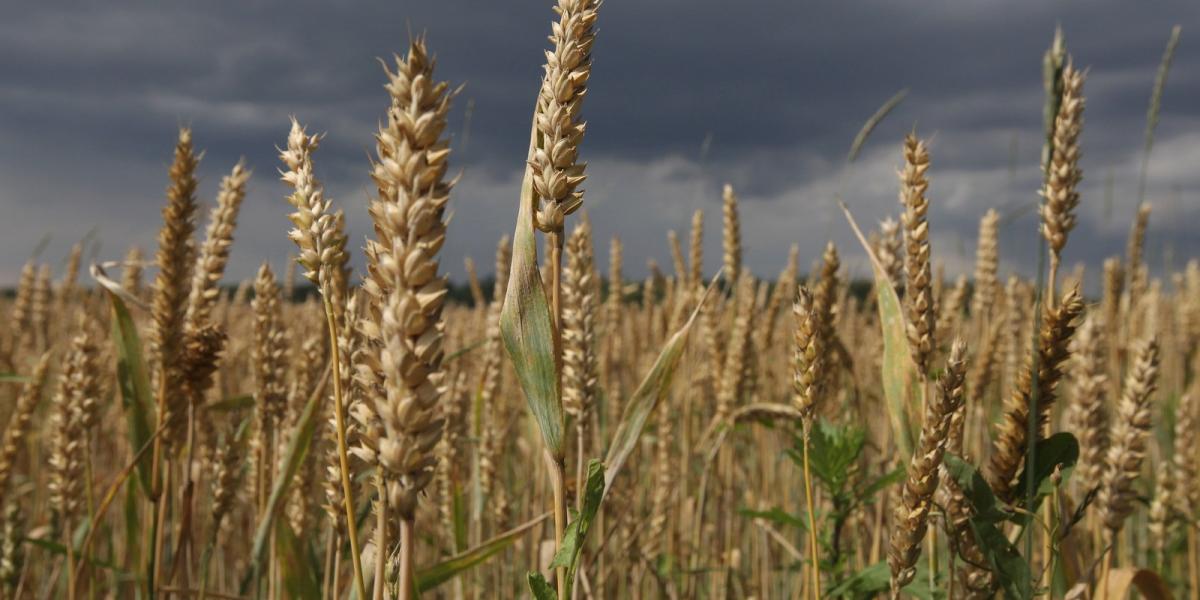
(90, 98)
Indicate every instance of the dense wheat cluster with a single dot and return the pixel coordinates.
(565, 433)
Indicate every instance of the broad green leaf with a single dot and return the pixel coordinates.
(869, 581)
(920, 587)
(56, 547)
(459, 512)
(652, 389)
(1008, 564)
(976, 489)
(13, 378)
(527, 327)
(899, 373)
(298, 572)
(1060, 450)
(297, 449)
(240, 402)
(832, 451)
(431, 577)
(539, 588)
(134, 381)
(876, 580)
(778, 516)
(577, 530)
(133, 520)
(867, 492)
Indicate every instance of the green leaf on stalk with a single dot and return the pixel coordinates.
(1059, 451)
(577, 530)
(134, 380)
(540, 589)
(777, 516)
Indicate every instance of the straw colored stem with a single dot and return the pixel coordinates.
(343, 456)
(814, 553)
(407, 584)
(557, 484)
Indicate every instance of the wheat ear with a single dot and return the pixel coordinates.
(918, 292)
(1011, 440)
(911, 518)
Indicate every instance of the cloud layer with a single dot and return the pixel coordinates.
(90, 99)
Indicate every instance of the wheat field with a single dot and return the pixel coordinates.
(326, 432)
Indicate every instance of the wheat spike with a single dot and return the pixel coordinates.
(1059, 193)
(732, 239)
(1130, 434)
(557, 171)
(67, 287)
(808, 357)
(1058, 325)
(270, 354)
(733, 374)
(987, 262)
(319, 231)
(580, 363)
(39, 310)
(918, 292)
(1133, 255)
(172, 285)
(131, 271)
(696, 250)
(405, 291)
(18, 323)
(19, 423)
(1089, 394)
(214, 254)
(78, 391)
(911, 518)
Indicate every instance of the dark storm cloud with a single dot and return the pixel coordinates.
(90, 97)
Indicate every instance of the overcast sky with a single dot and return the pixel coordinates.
(91, 96)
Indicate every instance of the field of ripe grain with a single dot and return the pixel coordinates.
(323, 432)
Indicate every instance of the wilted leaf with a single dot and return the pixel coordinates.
(293, 457)
(527, 327)
(899, 373)
(652, 389)
(297, 571)
(431, 577)
(1147, 582)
